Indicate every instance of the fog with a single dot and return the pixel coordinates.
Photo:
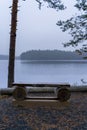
(37, 29)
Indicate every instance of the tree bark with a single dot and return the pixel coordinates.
(12, 43)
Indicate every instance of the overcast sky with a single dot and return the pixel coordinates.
(37, 29)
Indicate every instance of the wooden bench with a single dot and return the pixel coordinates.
(41, 84)
(22, 91)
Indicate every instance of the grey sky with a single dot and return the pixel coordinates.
(37, 29)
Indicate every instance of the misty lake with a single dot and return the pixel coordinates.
(42, 71)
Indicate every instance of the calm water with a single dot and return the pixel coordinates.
(55, 72)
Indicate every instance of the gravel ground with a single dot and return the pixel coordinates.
(71, 117)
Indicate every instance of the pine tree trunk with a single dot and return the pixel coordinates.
(12, 43)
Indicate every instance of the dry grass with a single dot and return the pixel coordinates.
(3, 96)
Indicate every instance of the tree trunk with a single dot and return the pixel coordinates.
(12, 43)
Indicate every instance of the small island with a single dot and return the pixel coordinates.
(50, 55)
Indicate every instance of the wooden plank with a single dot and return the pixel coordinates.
(41, 98)
(41, 84)
(39, 103)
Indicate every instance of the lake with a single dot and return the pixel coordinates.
(42, 71)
